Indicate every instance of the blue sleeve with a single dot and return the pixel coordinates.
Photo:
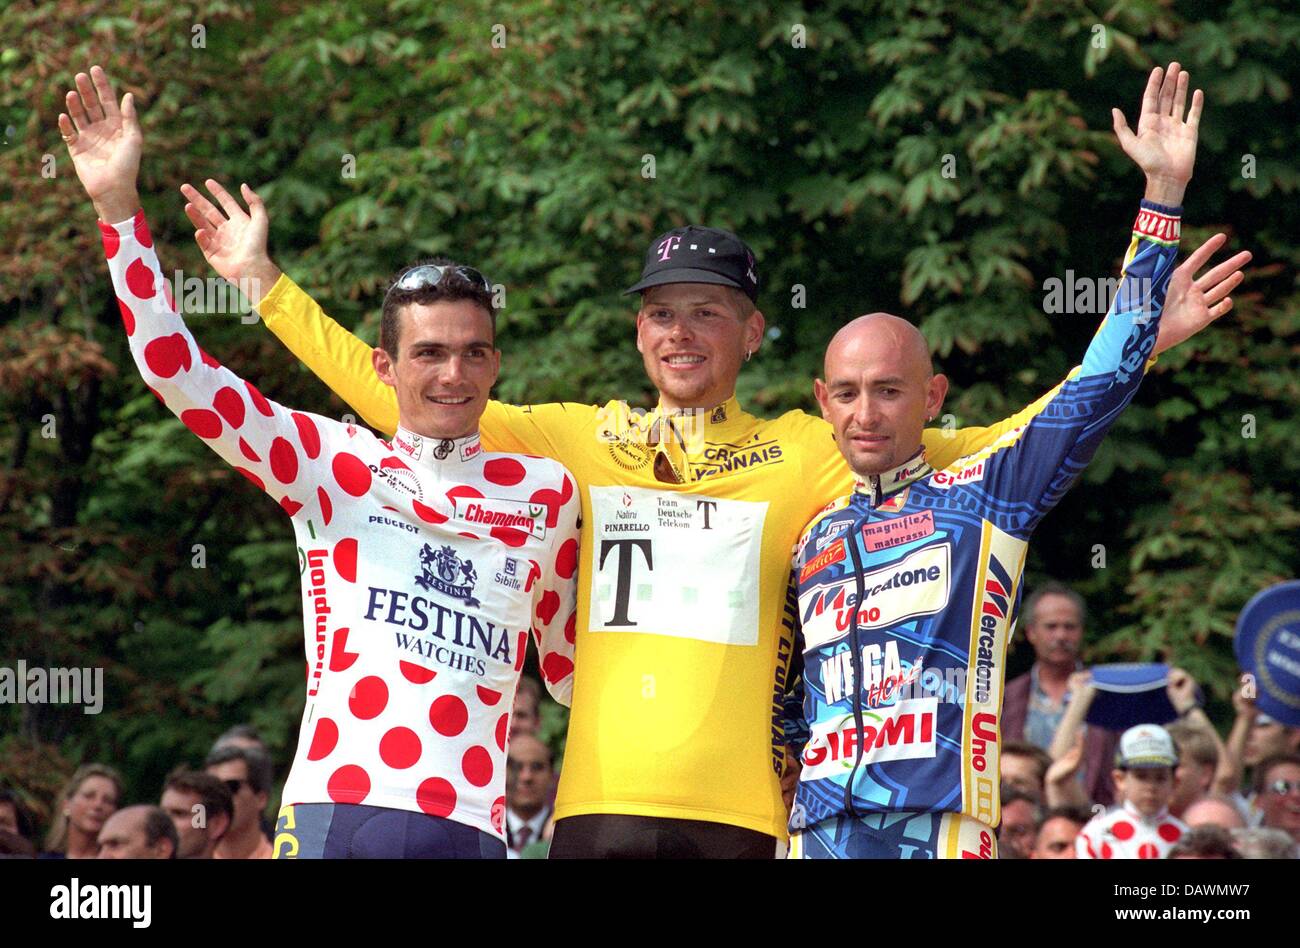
(1024, 475)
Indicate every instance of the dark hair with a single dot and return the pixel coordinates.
(212, 793)
(246, 731)
(158, 824)
(1053, 588)
(1012, 795)
(450, 288)
(258, 762)
(1026, 749)
(1074, 812)
(1268, 763)
(21, 814)
(1213, 842)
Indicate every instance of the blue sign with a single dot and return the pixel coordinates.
(1268, 647)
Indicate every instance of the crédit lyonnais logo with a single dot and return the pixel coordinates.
(448, 574)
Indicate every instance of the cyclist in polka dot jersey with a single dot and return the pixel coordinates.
(425, 562)
(1141, 827)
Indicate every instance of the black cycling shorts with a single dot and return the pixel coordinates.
(613, 836)
(355, 831)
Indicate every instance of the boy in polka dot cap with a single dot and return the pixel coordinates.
(1141, 827)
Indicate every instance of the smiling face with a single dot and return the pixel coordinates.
(693, 338)
(445, 367)
(878, 392)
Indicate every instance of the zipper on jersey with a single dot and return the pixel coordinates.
(855, 656)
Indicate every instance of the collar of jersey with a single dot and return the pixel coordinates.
(436, 452)
(1132, 811)
(876, 487)
(693, 420)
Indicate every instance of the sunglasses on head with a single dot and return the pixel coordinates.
(431, 274)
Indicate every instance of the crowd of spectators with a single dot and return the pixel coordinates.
(1069, 789)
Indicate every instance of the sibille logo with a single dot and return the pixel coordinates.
(442, 569)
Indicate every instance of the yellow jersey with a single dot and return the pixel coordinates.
(684, 635)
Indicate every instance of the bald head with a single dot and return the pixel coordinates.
(879, 391)
(880, 332)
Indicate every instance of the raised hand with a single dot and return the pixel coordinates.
(232, 240)
(1165, 144)
(1191, 303)
(104, 142)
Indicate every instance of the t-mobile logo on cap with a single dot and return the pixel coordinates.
(668, 245)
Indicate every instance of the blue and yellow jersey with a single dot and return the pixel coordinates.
(907, 588)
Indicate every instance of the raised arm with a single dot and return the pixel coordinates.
(269, 444)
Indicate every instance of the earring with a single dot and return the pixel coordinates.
(748, 353)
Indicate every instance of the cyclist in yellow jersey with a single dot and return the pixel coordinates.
(690, 512)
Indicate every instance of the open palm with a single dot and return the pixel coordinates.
(103, 139)
(1165, 144)
(1191, 304)
(232, 240)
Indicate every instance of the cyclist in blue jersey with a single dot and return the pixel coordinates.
(907, 588)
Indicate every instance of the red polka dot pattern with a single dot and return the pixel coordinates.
(340, 658)
(139, 280)
(345, 559)
(428, 514)
(247, 451)
(324, 740)
(510, 536)
(566, 561)
(204, 423)
(400, 748)
(1122, 830)
(488, 696)
(503, 729)
(111, 240)
(498, 813)
(208, 360)
(308, 435)
(369, 697)
(436, 796)
(1148, 851)
(349, 784)
(504, 471)
(141, 228)
(167, 355)
(1106, 851)
(259, 400)
(571, 628)
(417, 674)
(477, 766)
(351, 474)
(1169, 832)
(556, 667)
(448, 715)
(284, 461)
(128, 317)
(252, 477)
(326, 508)
(291, 507)
(548, 606)
(230, 406)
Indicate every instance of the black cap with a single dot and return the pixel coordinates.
(699, 255)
